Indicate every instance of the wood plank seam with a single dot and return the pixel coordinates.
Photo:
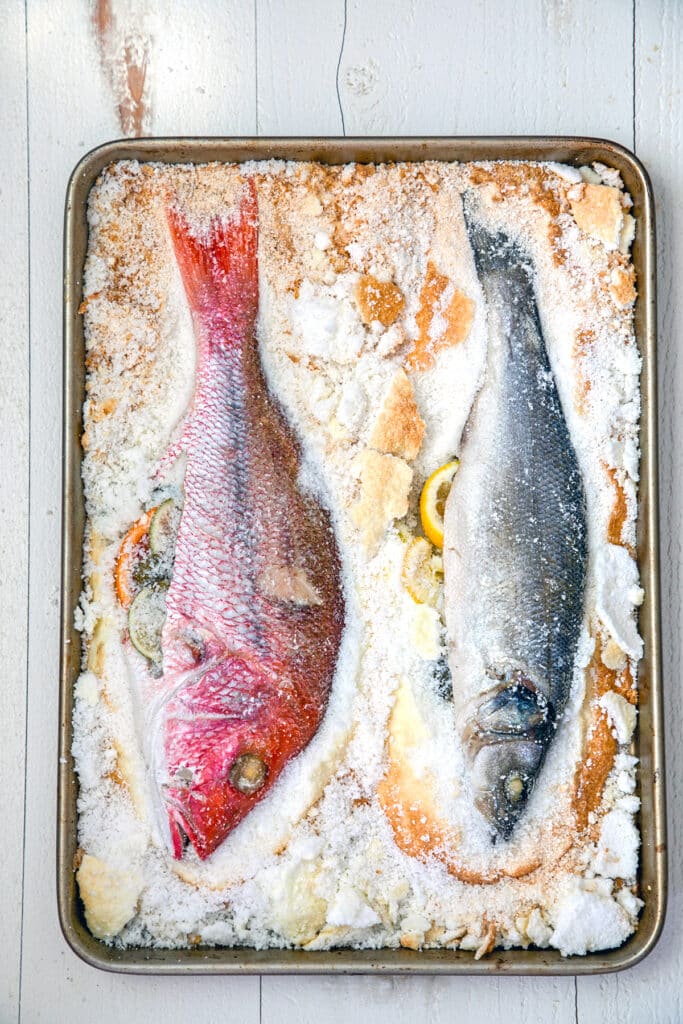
(28, 496)
(633, 72)
(256, 71)
(341, 54)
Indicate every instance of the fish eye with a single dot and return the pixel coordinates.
(514, 787)
(183, 778)
(248, 773)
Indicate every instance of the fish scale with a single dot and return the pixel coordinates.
(515, 549)
(254, 610)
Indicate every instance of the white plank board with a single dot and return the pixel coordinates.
(487, 67)
(404, 1000)
(202, 68)
(65, 76)
(14, 431)
(298, 48)
(653, 991)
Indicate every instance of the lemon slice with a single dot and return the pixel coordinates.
(420, 572)
(433, 501)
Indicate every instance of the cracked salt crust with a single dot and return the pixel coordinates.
(349, 260)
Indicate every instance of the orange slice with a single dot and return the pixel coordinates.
(433, 501)
(123, 569)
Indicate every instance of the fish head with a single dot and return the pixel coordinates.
(222, 753)
(508, 736)
(503, 777)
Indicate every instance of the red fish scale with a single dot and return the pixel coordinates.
(244, 671)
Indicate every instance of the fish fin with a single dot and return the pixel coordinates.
(491, 251)
(219, 266)
(169, 458)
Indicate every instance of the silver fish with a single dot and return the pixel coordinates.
(515, 548)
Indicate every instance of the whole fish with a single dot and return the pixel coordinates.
(254, 610)
(515, 545)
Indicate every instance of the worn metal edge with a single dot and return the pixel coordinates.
(245, 960)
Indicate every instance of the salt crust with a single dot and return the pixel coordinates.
(316, 864)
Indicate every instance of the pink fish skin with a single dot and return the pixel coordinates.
(255, 609)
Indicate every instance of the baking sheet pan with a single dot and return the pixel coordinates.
(649, 739)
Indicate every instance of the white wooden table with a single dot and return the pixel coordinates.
(309, 67)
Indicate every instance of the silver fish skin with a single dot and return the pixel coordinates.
(515, 549)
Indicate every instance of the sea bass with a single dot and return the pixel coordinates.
(515, 546)
(254, 609)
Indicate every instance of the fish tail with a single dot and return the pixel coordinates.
(492, 252)
(219, 266)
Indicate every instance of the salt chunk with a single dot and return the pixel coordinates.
(356, 253)
(631, 904)
(323, 409)
(588, 921)
(322, 400)
(612, 656)
(307, 847)
(590, 176)
(322, 240)
(218, 933)
(625, 782)
(352, 405)
(617, 852)
(298, 910)
(425, 632)
(630, 803)
(349, 908)
(631, 411)
(626, 763)
(415, 924)
(537, 929)
(472, 939)
(315, 317)
(628, 361)
(572, 174)
(312, 205)
(599, 213)
(600, 886)
(327, 322)
(87, 688)
(627, 234)
(584, 648)
(109, 895)
(608, 175)
(400, 890)
(616, 573)
(631, 458)
(622, 715)
(392, 339)
(85, 615)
